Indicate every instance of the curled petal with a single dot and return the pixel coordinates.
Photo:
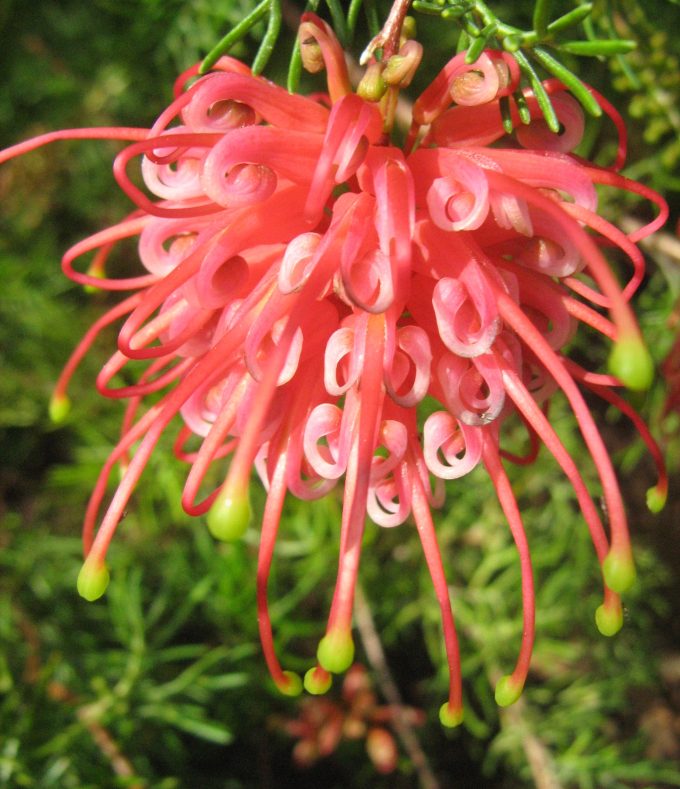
(459, 444)
(314, 29)
(460, 199)
(389, 500)
(466, 312)
(394, 438)
(353, 125)
(459, 82)
(412, 352)
(327, 422)
(176, 178)
(552, 251)
(244, 166)
(340, 354)
(473, 389)
(297, 262)
(164, 243)
(265, 334)
(537, 135)
(221, 278)
(367, 281)
(224, 102)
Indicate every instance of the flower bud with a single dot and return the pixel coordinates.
(372, 86)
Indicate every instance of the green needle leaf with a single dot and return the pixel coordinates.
(522, 107)
(580, 91)
(338, 20)
(478, 45)
(270, 37)
(539, 91)
(598, 47)
(234, 36)
(504, 104)
(570, 19)
(541, 16)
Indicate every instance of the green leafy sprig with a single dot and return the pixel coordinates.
(480, 28)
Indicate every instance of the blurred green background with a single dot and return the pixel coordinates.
(161, 683)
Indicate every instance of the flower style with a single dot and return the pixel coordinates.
(309, 283)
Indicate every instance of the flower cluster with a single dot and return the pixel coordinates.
(310, 284)
(323, 724)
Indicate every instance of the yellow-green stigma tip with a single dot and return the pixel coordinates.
(99, 274)
(656, 499)
(449, 716)
(336, 652)
(229, 516)
(93, 579)
(609, 620)
(317, 682)
(59, 408)
(632, 364)
(292, 685)
(618, 571)
(507, 692)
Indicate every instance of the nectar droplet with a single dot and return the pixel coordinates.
(507, 692)
(336, 652)
(93, 579)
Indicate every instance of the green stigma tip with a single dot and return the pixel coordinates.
(507, 692)
(618, 571)
(609, 621)
(59, 408)
(317, 682)
(336, 652)
(656, 499)
(292, 686)
(631, 363)
(90, 288)
(450, 717)
(93, 579)
(229, 516)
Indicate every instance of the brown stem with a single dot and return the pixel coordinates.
(376, 657)
(388, 38)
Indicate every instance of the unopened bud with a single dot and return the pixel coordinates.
(382, 750)
(401, 68)
(372, 86)
(310, 51)
(409, 27)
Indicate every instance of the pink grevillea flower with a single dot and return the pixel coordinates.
(309, 284)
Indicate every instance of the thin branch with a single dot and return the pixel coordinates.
(376, 657)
